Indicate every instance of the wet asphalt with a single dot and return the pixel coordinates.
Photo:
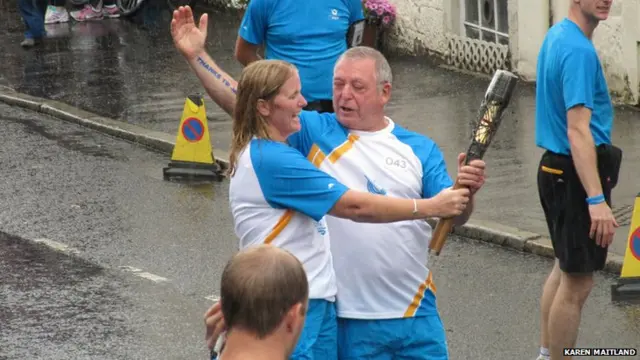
(105, 200)
(56, 306)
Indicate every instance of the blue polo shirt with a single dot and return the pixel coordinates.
(311, 34)
(569, 73)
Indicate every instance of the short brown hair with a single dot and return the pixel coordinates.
(259, 286)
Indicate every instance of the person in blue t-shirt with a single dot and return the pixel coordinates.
(310, 34)
(578, 170)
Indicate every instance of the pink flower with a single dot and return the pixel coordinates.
(380, 9)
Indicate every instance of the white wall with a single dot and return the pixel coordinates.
(528, 35)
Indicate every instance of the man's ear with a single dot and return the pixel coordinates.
(264, 108)
(303, 308)
(386, 93)
(294, 316)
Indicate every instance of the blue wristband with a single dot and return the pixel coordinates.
(595, 200)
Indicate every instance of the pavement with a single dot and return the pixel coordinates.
(100, 258)
(125, 78)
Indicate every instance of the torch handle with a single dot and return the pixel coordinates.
(443, 228)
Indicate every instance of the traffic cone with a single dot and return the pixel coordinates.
(192, 157)
(628, 286)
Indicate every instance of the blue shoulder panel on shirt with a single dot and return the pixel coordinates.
(321, 129)
(435, 177)
(289, 181)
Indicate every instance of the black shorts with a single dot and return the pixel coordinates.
(563, 201)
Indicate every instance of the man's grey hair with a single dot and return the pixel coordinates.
(383, 70)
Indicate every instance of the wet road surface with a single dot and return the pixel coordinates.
(105, 199)
(55, 306)
(129, 70)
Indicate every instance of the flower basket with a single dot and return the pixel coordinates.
(241, 6)
(379, 16)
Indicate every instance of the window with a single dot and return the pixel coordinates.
(486, 20)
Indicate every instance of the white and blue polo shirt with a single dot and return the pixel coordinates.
(278, 197)
(380, 268)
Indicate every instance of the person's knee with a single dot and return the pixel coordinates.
(577, 287)
(553, 279)
(556, 272)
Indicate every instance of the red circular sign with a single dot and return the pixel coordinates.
(634, 243)
(193, 130)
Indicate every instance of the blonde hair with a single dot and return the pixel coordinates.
(261, 79)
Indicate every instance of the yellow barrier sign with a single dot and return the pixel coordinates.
(192, 155)
(628, 287)
(192, 141)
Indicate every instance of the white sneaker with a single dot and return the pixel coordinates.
(56, 14)
(542, 357)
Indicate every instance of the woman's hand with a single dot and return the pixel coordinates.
(188, 38)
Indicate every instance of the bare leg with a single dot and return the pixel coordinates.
(548, 294)
(566, 312)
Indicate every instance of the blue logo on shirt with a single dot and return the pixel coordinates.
(321, 227)
(374, 189)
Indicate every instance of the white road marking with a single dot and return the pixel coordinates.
(57, 246)
(213, 298)
(130, 269)
(154, 278)
(144, 274)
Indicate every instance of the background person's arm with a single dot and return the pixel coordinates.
(246, 52)
(252, 32)
(579, 69)
(583, 149)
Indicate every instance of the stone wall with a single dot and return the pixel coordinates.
(420, 28)
(234, 4)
